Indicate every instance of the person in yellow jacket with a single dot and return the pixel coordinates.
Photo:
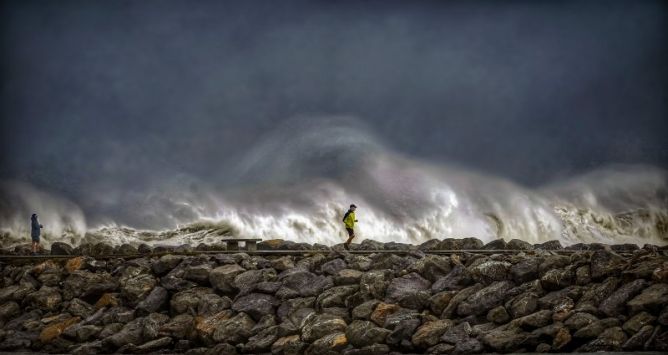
(349, 220)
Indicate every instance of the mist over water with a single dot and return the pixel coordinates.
(297, 182)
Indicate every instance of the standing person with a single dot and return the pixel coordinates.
(35, 231)
(349, 220)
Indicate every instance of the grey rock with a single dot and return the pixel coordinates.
(534, 320)
(364, 333)
(525, 270)
(332, 267)
(518, 244)
(222, 277)
(234, 330)
(652, 299)
(262, 341)
(166, 263)
(498, 244)
(79, 308)
(498, 315)
(549, 245)
(320, 325)
(459, 298)
(484, 299)
(303, 283)
(458, 278)
(60, 248)
(615, 303)
(256, 305)
(155, 301)
(611, 339)
(335, 296)
(638, 321)
(432, 267)
(411, 291)
(606, 263)
(638, 340)
(364, 310)
(490, 271)
(504, 338)
(429, 333)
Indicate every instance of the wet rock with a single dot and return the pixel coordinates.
(60, 248)
(130, 333)
(348, 277)
(642, 269)
(430, 333)
(382, 311)
(303, 283)
(525, 270)
(497, 244)
(198, 273)
(261, 341)
(596, 293)
(234, 330)
(374, 349)
(638, 340)
(534, 320)
(652, 299)
(154, 301)
(364, 310)
(457, 334)
(84, 284)
(222, 277)
(583, 275)
(411, 291)
(504, 338)
(188, 300)
(517, 244)
(556, 279)
(431, 244)
(490, 271)
(552, 262)
(256, 305)
(498, 315)
(615, 303)
(289, 306)
(523, 305)
(580, 320)
(432, 267)
(8, 310)
(591, 330)
(549, 245)
(126, 249)
(468, 346)
(400, 316)
(166, 263)
(458, 278)
(320, 325)
(484, 299)
(283, 263)
(80, 308)
(439, 301)
(335, 296)
(611, 339)
(291, 345)
(364, 333)
(47, 298)
(638, 321)
(136, 288)
(459, 298)
(246, 281)
(402, 333)
(328, 344)
(181, 326)
(606, 263)
(332, 267)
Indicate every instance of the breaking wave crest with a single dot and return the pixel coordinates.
(296, 186)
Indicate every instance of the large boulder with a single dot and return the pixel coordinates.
(410, 291)
(458, 278)
(320, 325)
(234, 330)
(256, 305)
(155, 301)
(364, 333)
(429, 333)
(375, 282)
(490, 270)
(525, 270)
(47, 298)
(188, 300)
(136, 288)
(615, 304)
(504, 338)
(431, 267)
(335, 296)
(332, 267)
(299, 282)
(485, 299)
(222, 277)
(166, 263)
(606, 263)
(60, 248)
(651, 299)
(82, 283)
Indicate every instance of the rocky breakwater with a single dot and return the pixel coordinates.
(597, 298)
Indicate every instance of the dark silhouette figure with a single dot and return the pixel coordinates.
(35, 231)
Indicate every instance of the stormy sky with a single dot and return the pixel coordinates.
(124, 91)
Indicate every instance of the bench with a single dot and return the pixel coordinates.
(233, 244)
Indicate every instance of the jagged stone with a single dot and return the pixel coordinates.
(411, 291)
(60, 248)
(429, 333)
(652, 299)
(364, 333)
(484, 299)
(318, 326)
(498, 315)
(638, 321)
(606, 263)
(234, 330)
(458, 278)
(256, 305)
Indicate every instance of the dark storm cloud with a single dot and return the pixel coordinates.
(119, 93)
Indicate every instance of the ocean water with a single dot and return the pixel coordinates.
(296, 186)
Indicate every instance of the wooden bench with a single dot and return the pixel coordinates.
(233, 244)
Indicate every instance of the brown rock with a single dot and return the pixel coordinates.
(53, 331)
(382, 311)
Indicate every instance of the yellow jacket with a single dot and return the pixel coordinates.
(349, 221)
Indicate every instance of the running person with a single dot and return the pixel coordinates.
(349, 221)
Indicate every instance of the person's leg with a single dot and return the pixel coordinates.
(351, 235)
(34, 247)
